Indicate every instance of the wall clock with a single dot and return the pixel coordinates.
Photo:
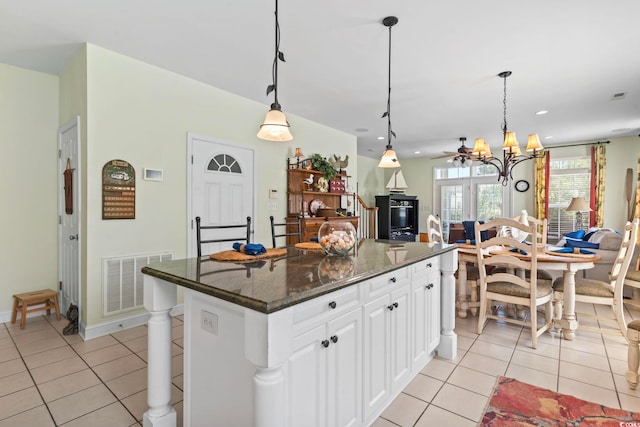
(522, 185)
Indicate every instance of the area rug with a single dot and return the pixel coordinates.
(514, 403)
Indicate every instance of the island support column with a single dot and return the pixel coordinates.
(448, 339)
(159, 298)
(268, 345)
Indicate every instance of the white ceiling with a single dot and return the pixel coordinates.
(568, 57)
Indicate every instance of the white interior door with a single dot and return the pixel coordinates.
(69, 216)
(221, 188)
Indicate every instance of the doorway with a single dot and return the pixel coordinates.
(69, 237)
(221, 187)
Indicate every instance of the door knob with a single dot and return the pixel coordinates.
(72, 237)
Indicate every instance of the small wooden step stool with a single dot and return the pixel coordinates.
(22, 302)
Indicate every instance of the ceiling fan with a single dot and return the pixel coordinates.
(462, 153)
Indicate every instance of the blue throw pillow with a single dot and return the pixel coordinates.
(578, 234)
(581, 244)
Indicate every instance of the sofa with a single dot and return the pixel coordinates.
(604, 242)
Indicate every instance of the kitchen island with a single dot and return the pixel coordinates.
(300, 340)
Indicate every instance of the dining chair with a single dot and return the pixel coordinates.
(511, 287)
(599, 292)
(434, 229)
(543, 275)
(290, 228)
(241, 233)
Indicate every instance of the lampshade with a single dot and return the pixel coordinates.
(299, 152)
(533, 143)
(510, 142)
(275, 126)
(578, 204)
(389, 159)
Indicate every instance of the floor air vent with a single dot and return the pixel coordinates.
(122, 280)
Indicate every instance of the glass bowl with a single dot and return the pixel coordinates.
(337, 237)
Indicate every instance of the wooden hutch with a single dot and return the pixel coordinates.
(301, 196)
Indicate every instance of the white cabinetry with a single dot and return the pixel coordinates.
(425, 297)
(324, 372)
(387, 362)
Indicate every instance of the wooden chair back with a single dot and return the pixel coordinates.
(434, 229)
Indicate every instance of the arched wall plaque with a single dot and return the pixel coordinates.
(118, 190)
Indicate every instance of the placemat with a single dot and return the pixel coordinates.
(232, 255)
(570, 254)
(465, 246)
(309, 246)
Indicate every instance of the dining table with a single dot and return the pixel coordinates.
(548, 259)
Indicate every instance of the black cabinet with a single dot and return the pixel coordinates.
(397, 217)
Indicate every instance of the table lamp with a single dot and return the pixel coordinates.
(578, 205)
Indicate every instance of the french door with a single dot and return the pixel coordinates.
(470, 199)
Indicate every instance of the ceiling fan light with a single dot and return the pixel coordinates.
(456, 162)
(389, 159)
(275, 127)
(533, 143)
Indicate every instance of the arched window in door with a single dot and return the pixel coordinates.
(224, 163)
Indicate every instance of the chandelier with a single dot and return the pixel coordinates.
(389, 158)
(275, 126)
(511, 154)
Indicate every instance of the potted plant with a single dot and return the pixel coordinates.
(321, 164)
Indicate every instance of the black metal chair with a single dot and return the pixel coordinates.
(291, 227)
(246, 238)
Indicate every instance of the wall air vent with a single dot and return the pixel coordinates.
(618, 96)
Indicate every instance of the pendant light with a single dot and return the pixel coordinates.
(275, 126)
(389, 158)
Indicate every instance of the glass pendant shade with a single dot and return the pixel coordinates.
(275, 127)
(533, 143)
(389, 159)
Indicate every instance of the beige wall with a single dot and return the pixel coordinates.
(28, 184)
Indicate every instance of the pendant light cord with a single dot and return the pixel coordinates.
(274, 69)
(504, 104)
(389, 132)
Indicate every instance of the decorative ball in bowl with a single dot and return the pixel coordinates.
(337, 237)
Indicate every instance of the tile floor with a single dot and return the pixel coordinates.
(48, 379)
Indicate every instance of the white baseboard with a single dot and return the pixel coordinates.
(105, 328)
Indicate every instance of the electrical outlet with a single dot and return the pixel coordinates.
(273, 206)
(209, 322)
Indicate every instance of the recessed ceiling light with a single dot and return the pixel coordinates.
(380, 137)
(541, 112)
(416, 152)
(621, 130)
(361, 130)
(548, 137)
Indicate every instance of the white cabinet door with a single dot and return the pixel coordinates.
(420, 315)
(433, 315)
(344, 370)
(306, 379)
(400, 320)
(377, 354)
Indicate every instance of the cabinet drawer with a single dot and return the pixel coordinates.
(385, 283)
(312, 313)
(428, 265)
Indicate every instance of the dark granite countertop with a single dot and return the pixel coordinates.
(274, 284)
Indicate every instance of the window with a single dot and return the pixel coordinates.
(224, 163)
(468, 193)
(568, 178)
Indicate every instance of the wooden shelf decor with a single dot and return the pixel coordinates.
(118, 190)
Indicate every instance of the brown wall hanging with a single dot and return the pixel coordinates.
(68, 188)
(118, 190)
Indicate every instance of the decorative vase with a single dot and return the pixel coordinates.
(337, 237)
